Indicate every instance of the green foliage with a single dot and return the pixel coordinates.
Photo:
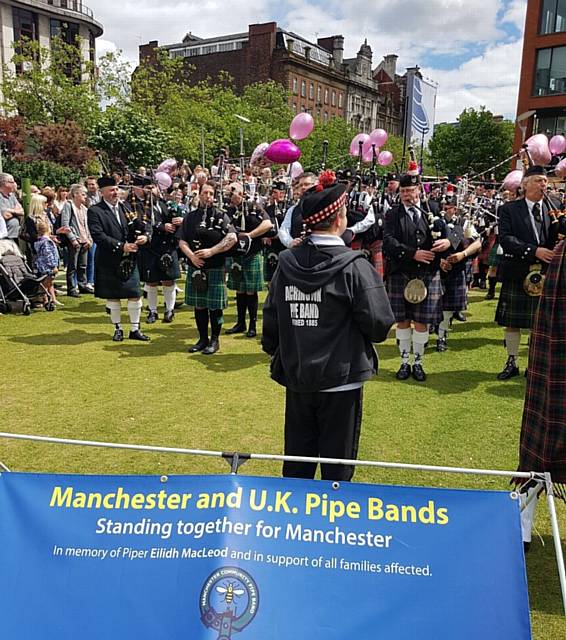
(129, 138)
(474, 145)
(53, 87)
(42, 172)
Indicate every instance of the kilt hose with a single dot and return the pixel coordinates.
(455, 296)
(543, 431)
(427, 312)
(373, 252)
(250, 277)
(515, 308)
(216, 295)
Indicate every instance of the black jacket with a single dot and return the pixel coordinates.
(325, 307)
(400, 241)
(518, 239)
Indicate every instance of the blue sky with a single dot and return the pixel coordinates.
(471, 48)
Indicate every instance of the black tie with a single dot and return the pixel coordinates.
(414, 214)
(538, 218)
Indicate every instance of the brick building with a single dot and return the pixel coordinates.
(316, 75)
(542, 90)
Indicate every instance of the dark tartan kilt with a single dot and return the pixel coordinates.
(515, 308)
(107, 284)
(494, 257)
(251, 279)
(427, 312)
(455, 292)
(150, 269)
(269, 263)
(469, 272)
(486, 250)
(215, 297)
(373, 252)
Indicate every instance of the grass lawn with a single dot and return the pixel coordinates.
(62, 376)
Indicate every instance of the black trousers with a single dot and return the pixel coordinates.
(325, 425)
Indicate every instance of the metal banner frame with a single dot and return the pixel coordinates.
(237, 459)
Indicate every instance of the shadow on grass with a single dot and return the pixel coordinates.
(73, 338)
(514, 388)
(466, 344)
(444, 383)
(542, 570)
(223, 362)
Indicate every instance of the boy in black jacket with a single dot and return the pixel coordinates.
(326, 305)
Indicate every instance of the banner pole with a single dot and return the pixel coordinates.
(556, 536)
(3, 466)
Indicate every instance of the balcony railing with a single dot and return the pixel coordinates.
(70, 5)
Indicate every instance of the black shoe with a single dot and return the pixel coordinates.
(118, 335)
(199, 346)
(212, 347)
(138, 335)
(510, 370)
(526, 546)
(490, 295)
(237, 328)
(418, 373)
(168, 316)
(73, 294)
(458, 315)
(404, 372)
(179, 304)
(152, 317)
(251, 332)
(87, 289)
(526, 372)
(441, 345)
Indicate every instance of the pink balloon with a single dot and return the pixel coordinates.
(283, 151)
(163, 180)
(259, 153)
(355, 144)
(557, 145)
(301, 126)
(167, 166)
(512, 180)
(379, 136)
(385, 158)
(296, 170)
(538, 149)
(560, 169)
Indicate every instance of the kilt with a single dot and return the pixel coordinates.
(215, 297)
(373, 251)
(251, 274)
(150, 269)
(543, 430)
(427, 312)
(455, 296)
(494, 257)
(515, 308)
(486, 249)
(108, 286)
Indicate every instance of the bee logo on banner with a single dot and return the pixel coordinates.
(229, 601)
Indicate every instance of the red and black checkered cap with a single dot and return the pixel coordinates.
(319, 205)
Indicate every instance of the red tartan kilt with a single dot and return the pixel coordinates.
(374, 249)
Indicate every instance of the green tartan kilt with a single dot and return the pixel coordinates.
(251, 278)
(515, 308)
(215, 297)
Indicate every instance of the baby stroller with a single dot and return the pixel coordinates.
(18, 285)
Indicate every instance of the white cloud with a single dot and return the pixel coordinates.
(515, 14)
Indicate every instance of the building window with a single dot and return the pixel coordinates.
(550, 75)
(551, 125)
(25, 28)
(210, 48)
(294, 107)
(295, 85)
(67, 31)
(303, 88)
(326, 116)
(340, 99)
(334, 98)
(553, 16)
(311, 91)
(326, 96)
(318, 93)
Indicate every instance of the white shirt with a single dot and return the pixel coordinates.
(285, 228)
(530, 205)
(114, 208)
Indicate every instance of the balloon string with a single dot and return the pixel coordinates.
(477, 175)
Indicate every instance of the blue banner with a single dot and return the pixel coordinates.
(222, 557)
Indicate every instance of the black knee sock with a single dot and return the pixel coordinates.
(201, 318)
(492, 284)
(241, 304)
(253, 303)
(216, 319)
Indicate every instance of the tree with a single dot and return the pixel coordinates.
(53, 85)
(476, 143)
